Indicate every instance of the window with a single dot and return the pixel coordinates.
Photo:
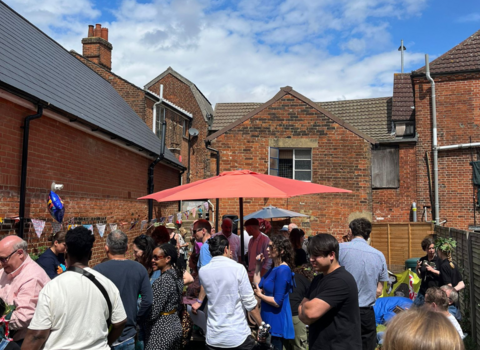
(291, 163)
(158, 114)
(404, 129)
(385, 168)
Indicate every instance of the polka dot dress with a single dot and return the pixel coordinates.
(164, 332)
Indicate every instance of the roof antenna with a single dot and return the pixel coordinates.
(401, 49)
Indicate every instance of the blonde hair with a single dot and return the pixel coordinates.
(448, 253)
(421, 329)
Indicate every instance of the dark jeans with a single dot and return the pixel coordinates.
(369, 328)
(277, 343)
(248, 344)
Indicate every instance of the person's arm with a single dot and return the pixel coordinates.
(25, 304)
(432, 270)
(459, 286)
(379, 289)
(257, 276)
(198, 303)
(187, 278)
(116, 331)
(310, 311)
(35, 339)
(147, 297)
(255, 313)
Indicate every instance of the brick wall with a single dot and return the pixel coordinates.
(458, 119)
(101, 180)
(181, 95)
(394, 205)
(341, 159)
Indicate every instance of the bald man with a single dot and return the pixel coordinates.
(233, 239)
(21, 281)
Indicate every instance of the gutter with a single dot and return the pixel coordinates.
(217, 201)
(161, 156)
(23, 176)
(434, 143)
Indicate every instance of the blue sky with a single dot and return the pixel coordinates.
(245, 50)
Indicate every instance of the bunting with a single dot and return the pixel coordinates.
(113, 227)
(38, 225)
(56, 227)
(101, 229)
(89, 227)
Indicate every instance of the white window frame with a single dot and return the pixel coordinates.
(293, 149)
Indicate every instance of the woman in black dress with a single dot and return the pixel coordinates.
(164, 329)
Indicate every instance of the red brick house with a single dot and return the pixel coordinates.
(80, 133)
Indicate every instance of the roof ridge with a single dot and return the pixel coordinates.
(451, 51)
(357, 99)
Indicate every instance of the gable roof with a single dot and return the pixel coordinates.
(35, 64)
(202, 101)
(463, 57)
(289, 91)
(403, 99)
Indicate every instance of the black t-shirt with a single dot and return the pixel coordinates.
(299, 292)
(51, 263)
(339, 328)
(300, 257)
(429, 279)
(449, 275)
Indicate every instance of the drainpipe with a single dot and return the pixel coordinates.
(434, 142)
(156, 161)
(23, 176)
(217, 201)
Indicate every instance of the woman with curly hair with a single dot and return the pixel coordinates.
(297, 236)
(277, 283)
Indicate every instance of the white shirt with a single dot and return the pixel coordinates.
(454, 321)
(229, 294)
(246, 241)
(76, 311)
(234, 242)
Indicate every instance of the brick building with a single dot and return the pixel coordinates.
(86, 138)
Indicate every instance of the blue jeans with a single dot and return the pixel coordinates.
(126, 345)
(277, 343)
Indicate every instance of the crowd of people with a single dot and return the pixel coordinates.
(316, 293)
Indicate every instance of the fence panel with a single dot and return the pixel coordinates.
(400, 241)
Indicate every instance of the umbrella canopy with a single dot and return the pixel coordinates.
(271, 212)
(241, 184)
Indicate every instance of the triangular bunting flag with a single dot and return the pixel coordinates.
(170, 218)
(179, 218)
(56, 227)
(113, 227)
(206, 205)
(89, 227)
(38, 225)
(194, 212)
(142, 224)
(133, 224)
(101, 229)
(187, 214)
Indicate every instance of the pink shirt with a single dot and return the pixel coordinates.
(21, 288)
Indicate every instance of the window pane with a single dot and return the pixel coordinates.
(273, 164)
(303, 175)
(286, 168)
(273, 172)
(303, 154)
(302, 165)
(273, 152)
(286, 154)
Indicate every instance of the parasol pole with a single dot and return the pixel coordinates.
(242, 242)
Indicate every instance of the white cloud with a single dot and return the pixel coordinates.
(244, 50)
(472, 17)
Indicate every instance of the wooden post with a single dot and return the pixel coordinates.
(388, 245)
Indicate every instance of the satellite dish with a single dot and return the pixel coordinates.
(193, 132)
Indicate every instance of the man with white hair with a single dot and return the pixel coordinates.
(21, 281)
(452, 296)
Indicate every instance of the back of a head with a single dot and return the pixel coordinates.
(160, 235)
(58, 236)
(117, 242)
(79, 243)
(361, 227)
(296, 238)
(217, 245)
(322, 244)
(284, 248)
(451, 293)
(203, 224)
(437, 296)
(421, 329)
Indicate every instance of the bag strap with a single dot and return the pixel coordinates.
(92, 278)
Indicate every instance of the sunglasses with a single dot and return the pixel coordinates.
(197, 230)
(4, 260)
(156, 257)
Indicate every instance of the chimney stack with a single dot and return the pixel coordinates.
(96, 47)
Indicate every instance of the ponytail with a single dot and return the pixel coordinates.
(449, 257)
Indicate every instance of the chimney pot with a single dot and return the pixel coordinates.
(105, 33)
(98, 30)
(90, 30)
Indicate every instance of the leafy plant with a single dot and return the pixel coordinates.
(35, 254)
(445, 244)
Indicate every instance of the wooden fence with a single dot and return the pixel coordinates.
(400, 241)
(466, 257)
